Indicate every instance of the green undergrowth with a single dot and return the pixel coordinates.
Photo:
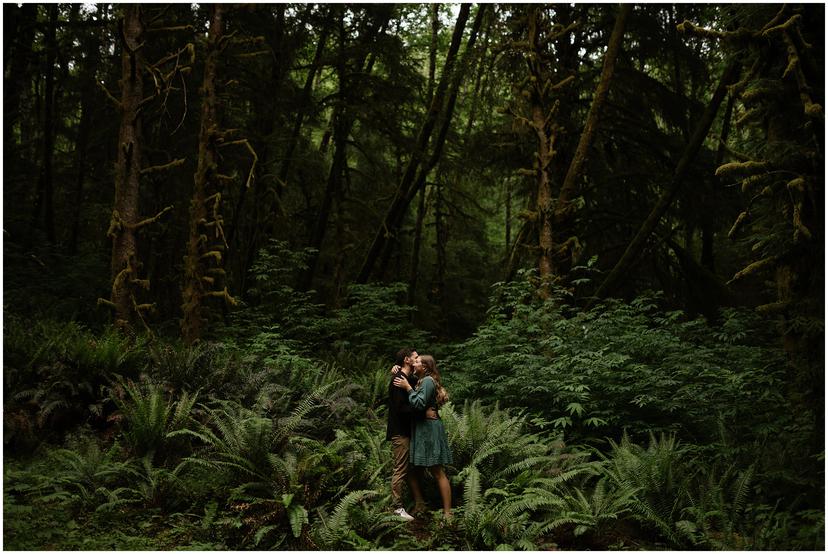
(622, 427)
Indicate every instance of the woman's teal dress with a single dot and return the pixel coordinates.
(429, 442)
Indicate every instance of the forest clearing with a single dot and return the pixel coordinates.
(604, 222)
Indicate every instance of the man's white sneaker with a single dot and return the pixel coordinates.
(402, 514)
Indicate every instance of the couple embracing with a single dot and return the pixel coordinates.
(418, 438)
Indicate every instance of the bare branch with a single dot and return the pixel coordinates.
(109, 95)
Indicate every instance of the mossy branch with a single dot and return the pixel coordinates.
(222, 294)
(687, 27)
(137, 308)
(742, 168)
(115, 225)
(170, 29)
(783, 27)
(246, 143)
(737, 224)
(748, 183)
(215, 254)
(562, 83)
(800, 230)
(188, 48)
(163, 167)
(150, 220)
(755, 267)
(773, 308)
(246, 55)
(737, 88)
(812, 109)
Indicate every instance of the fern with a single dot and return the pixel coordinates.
(335, 528)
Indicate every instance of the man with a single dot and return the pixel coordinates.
(400, 414)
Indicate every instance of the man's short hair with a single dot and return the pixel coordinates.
(403, 354)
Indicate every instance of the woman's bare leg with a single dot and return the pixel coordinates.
(414, 477)
(445, 488)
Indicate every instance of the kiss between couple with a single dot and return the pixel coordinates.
(418, 438)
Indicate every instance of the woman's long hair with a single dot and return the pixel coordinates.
(430, 370)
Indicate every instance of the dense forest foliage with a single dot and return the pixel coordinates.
(606, 222)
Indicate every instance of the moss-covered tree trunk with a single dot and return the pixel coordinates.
(566, 244)
(125, 264)
(202, 265)
(545, 131)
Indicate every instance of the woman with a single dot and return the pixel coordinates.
(429, 443)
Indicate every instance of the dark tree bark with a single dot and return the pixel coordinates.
(43, 216)
(482, 68)
(508, 218)
(249, 225)
(20, 23)
(421, 207)
(202, 265)
(409, 183)
(88, 100)
(342, 121)
(438, 287)
(125, 264)
(563, 212)
(707, 257)
(546, 134)
(284, 170)
(636, 246)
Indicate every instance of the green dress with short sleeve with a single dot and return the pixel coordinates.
(429, 442)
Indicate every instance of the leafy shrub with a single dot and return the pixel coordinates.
(627, 365)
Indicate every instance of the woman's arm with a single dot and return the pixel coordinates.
(422, 395)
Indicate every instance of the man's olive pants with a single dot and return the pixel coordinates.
(399, 452)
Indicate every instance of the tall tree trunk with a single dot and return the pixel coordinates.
(251, 227)
(563, 213)
(432, 52)
(678, 81)
(125, 264)
(440, 240)
(43, 215)
(508, 222)
(284, 170)
(202, 265)
(87, 103)
(408, 185)
(414, 269)
(634, 248)
(545, 135)
(707, 259)
(482, 68)
(340, 245)
(18, 41)
(342, 121)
